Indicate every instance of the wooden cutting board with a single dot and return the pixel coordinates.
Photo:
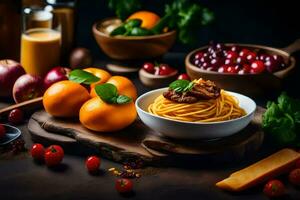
(138, 141)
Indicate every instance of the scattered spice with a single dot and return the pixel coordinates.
(17, 146)
(128, 169)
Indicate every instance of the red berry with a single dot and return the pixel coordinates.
(165, 69)
(223, 69)
(229, 61)
(257, 67)
(37, 151)
(92, 163)
(274, 188)
(294, 177)
(15, 116)
(199, 55)
(251, 56)
(235, 48)
(2, 131)
(149, 67)
(184, 77)
(232, 55)
(243, 53)
(124, 185)
(232, 69)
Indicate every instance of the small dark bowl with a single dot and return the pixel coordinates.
(12, 133)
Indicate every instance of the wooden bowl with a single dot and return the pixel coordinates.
(131, 47)
(155, 81)
(250, 84)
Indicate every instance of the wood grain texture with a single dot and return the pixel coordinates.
(138, 141)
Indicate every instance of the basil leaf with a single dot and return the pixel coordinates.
(180, 85)
(122, 99)
(80, 76)
(107, 92)
(189, 87)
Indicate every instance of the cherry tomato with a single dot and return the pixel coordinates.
(165, 69)
(199, 55)
(123, 185)
(243, 53)
(294, 177)
(183, 77)
(2, 131)
(149, 67)
(257, 67)
(37, 151)
(15, 116)
(274, 188)
(54, 155)
(92, 163)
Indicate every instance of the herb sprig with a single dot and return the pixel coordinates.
(81, 76)
(181, 85)
(109, 94)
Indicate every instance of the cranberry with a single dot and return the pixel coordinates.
(220, 46)
(232, 69)
(244, 53)
(246, 68)
(205, 65)
(241, 60)
(196, 62)
(15, 116)
(211, 49)
(229, 61)
(183, 77)
(149, 67)
(2, 131)
(216, 54)
(204, 59)
(223, 69)
(272, 65)
(257, 67)
(251, 56)
(278, 58)
(216, 62)
(232, 55)
(165, 69)
(199, 55)
(235, 48)
(262, 57)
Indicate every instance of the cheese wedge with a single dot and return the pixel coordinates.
(261, 171)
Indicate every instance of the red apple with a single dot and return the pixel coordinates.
(10, 71)
(28, 87)
(56, 74)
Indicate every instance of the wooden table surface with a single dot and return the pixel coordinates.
(21, 178)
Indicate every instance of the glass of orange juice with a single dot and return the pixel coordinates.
(40, 42)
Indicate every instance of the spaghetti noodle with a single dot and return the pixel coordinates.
(225, 107)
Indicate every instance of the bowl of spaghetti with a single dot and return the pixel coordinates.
(195, 110)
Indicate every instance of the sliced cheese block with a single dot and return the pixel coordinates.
(261, 171)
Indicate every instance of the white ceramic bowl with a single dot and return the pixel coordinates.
(193, 130)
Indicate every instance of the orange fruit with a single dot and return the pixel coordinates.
(149, 19)
(100, 73)
(64, 99)
(124, 87)
(97, 115)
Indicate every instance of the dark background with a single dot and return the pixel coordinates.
(273, 23)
